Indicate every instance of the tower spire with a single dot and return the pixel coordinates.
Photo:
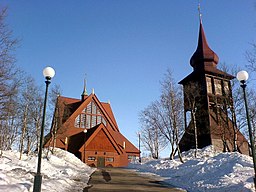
(203, 55)
(84, 94)
(199, 11)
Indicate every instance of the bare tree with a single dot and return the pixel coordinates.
(151, 137)
(35, 114)
(56, 116)
(23, 130)
(238, 113)
(191, 97)
(30, 108)
(165, 116)
(171, 103)
(8, 85)
(234, 107)
(8, 122)
(251, 58)
(252, 110)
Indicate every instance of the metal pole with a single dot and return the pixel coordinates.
(84, 146)
(139, 149)
(85, 131)
(38, 176)
(243, 85)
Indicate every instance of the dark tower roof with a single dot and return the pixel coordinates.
(204, 60)
(203, 52)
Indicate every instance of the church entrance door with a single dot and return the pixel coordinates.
(101, 162)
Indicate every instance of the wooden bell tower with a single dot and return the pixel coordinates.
(208, 104)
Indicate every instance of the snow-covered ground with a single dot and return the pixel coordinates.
(210, 171)
(61, 172)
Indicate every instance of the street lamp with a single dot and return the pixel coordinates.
(85, 131)
(48, 73)
(139, 148)
(242, 76)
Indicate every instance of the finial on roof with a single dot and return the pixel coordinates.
(93, 91)
(84, 94)
(84, 91)
(109, 102)
(199, 11)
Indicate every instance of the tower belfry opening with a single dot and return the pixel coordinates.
(208, 103)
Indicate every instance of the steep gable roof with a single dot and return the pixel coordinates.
(109, 111)
(65, 107)
(106, 110)
(68, 100)
(92, 133)
(129, 147)
(116, 138)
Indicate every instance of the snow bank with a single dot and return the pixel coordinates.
(61, 172)
(210, 171)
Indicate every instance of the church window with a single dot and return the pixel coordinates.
(93, 120)
(90, 116)
(77, 120)
(93, 109)
(218, 87)
(91, 158)
(131, 157)
(98, 120)
(89, 108)
(88, 121)
(83, 120)
(209, 84)
(110, 159)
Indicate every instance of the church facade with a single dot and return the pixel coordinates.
(208, 104)
(87, 128)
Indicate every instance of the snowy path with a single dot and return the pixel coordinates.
(126, 180)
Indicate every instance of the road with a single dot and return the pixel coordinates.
(125, 180)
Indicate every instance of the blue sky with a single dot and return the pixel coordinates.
(125, 46)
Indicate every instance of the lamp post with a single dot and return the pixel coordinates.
(139, 148)
(242, 76)
(85, 131)
(48, 73)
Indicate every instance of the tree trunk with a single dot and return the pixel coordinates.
(176, 133)
(195, 132)
(28, 145)
(24, 129)
(234, 128)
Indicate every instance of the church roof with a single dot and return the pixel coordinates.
(129, 147)
(120, 142)
(108, 109)
(69, 108)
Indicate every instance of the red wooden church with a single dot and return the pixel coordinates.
(87, 128)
